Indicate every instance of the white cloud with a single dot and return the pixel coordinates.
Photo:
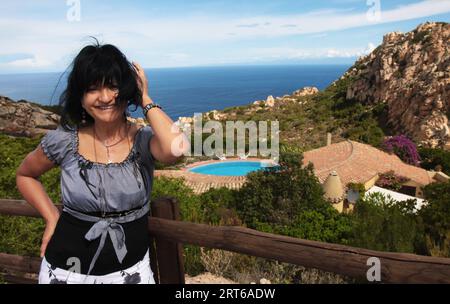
(349, 53)
(370, 48)
(35, 62)
(297, 53)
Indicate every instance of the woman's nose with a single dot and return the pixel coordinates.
(106, 94)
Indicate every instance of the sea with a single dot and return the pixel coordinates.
(188, 90)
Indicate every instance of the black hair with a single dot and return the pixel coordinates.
(95, 65)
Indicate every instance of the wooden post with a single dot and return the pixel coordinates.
(153, 255)
(169, 254)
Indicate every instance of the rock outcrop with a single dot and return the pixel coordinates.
(409, 72)
(306, 91)
(22, 118)
(270, 101)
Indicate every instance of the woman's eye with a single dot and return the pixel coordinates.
(93, 89)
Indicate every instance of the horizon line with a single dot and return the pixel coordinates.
(206, 66)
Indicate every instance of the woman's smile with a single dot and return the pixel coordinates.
(106, 108)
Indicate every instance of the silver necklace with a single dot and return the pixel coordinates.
(108, 146)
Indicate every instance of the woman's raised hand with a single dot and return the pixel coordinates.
(143, 83)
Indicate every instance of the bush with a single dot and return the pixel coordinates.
(390, 180)
(216, 207)
(190, 211)
(404, 148)
(357, 121)
(432, 158)
(12, 153)
(22, 235)
(367, 132)
(210, 207)
(288, 200)
(326, 225)
(174, 187)
(386, 225)
(277, 194)
(436, 215)
(358, 188)
(245, 269)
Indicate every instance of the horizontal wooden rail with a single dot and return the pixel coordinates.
(344, 260)
(340, 259)
(17, 267)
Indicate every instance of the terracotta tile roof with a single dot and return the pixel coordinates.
(358, 162)
(200, 183)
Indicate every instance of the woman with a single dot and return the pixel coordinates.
(107, 168)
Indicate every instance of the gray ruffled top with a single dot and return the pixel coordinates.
(89, 186)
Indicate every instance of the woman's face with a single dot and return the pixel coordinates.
(101, 103)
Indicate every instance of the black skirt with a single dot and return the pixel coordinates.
(68, 242)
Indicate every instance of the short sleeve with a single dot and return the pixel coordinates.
(144, 146)
(56, 144)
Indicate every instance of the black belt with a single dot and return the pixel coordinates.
(107, 214)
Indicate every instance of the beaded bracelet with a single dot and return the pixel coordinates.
(150, 106)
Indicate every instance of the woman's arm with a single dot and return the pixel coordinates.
(168, 142)
(34, 165)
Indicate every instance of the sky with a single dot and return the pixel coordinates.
(45, 35)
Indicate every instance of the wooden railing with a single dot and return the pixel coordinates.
(168, 234)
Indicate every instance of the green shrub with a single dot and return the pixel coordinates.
(325, 225)
(357, 187)
(22, 235)
(216, 205)
(436, 214)
(432, 158)
(276, 195)
(392, 181)
(382, 224)
(210, 207)
(358, 121)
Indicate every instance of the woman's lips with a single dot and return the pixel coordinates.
(105, 108)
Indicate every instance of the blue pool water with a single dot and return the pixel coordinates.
(230, 168)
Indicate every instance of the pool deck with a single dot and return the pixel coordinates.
(200, 183)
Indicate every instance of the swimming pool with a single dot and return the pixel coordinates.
(229, 168)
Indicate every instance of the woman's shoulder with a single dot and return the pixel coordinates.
(143, 142)
(59, 135)
(56, 143)
(145, 131)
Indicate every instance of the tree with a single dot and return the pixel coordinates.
(278, 194)
(436, 214)
(215, 205)
(432, 158)
(384, 224)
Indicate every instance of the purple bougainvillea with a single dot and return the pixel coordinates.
(390, 180)
(404, 148)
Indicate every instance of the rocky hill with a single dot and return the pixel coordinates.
(28, 119)
(402, 87)
(24, 118)
(409, 72)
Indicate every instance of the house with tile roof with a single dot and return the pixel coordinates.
(336, 165)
